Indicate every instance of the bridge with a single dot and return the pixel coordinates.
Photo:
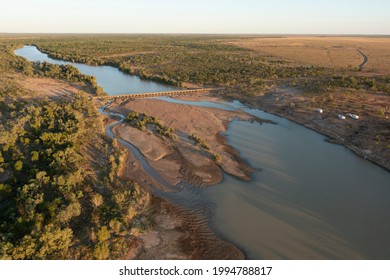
(154, 94)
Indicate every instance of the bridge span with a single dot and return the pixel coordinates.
(154, 94)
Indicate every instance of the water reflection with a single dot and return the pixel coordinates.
(312, 199)
(110, 78)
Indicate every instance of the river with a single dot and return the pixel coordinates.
(311, 199)
(111, 79)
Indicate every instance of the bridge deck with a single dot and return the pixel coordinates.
(151, 94)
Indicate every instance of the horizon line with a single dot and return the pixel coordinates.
(196, 33)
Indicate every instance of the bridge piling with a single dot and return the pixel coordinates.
(153, 94)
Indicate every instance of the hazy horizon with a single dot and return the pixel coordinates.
(246, 17)
(206, 34)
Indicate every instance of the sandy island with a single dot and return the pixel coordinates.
(183, 159)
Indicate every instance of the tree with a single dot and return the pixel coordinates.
(103, 234)
(34, 156)
(115, 143)
(42, 178)
(101, 251)
(72, 210)
(26, 249)
(54, 242)
(97, 200)
(18, 165)
(29, 197)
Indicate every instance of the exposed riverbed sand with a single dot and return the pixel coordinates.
(183, 159)
(179, 234)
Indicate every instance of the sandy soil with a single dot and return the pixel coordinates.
(159, 156)
(149, 144)
(183, 159)
(179, 234)
(51, 88)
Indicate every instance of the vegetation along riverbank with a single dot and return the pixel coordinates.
(290, 76)
(67, 191)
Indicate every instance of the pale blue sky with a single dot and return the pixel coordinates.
(197, 16)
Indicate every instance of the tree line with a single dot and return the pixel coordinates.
(207, 60)
(60, 194)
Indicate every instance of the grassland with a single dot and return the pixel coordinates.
(326, 51)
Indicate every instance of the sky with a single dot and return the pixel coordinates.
(196, 16)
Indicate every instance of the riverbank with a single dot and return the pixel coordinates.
(239, 217)
(179, 233)
(368, 137)
(184, 116)
(183, 159)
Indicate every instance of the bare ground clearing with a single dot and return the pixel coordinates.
(52, 88)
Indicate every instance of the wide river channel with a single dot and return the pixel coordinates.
(311, 199)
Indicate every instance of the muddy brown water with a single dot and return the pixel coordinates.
(311, 199)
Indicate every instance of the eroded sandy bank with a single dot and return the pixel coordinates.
(183, 159)
(179, 234)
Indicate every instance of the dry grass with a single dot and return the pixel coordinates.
(123, 54)
(51, 88)
(332, 52)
